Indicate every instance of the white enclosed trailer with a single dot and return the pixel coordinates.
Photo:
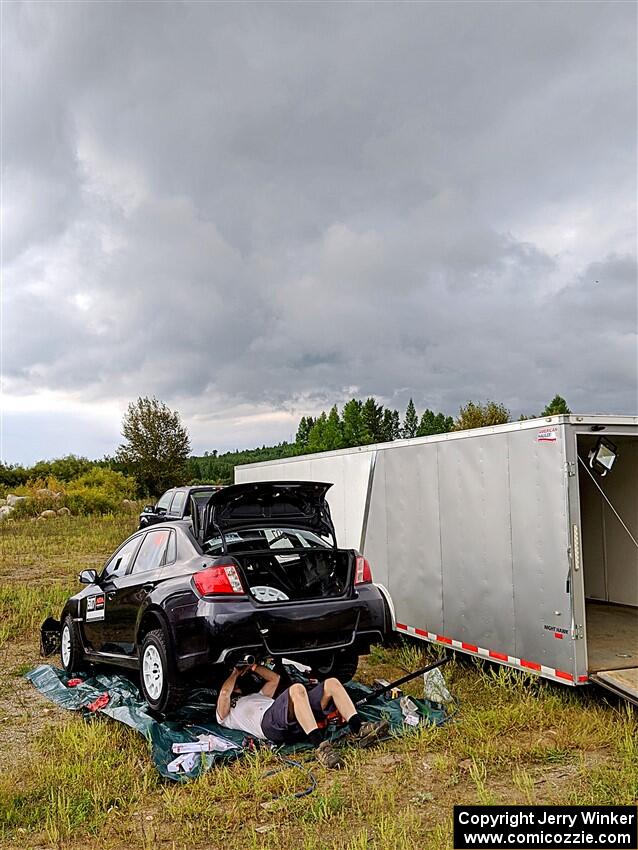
(499, 542)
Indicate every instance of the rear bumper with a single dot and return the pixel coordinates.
(216, 632)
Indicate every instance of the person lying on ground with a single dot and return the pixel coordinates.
(292, 716)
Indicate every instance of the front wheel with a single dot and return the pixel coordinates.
(71, 653)
(160, 683)
(341, 665)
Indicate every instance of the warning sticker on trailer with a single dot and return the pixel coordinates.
(547, 435)
(95, 607)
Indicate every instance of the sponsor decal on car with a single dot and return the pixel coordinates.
(95, 607)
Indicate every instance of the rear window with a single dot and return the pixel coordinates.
(266, 539)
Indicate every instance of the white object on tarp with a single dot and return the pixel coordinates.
(434, 687)
(410, 711)
(205, 744)
(184, 762)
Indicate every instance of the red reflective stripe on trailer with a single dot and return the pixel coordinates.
(498, 655)
(558, 635)
(562, 675)
(583, 678)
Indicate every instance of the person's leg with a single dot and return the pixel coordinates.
(300, 711)
(363, 734)
(299, 708)
(333, 691)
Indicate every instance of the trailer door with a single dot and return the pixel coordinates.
(609, 522)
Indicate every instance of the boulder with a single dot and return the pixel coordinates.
(3, 502)
(13, 500)
(47, 515)
(44, 493)
(5, 511)
(64, 512)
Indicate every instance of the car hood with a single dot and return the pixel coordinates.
(269, 504)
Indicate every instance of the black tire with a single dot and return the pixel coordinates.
(160, 682)
(340, 665)
(71, 652)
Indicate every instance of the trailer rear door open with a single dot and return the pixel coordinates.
(609, 528)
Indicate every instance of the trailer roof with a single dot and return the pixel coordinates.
(577, 419)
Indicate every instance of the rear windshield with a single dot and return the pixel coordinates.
(202, 495)
(266, 539)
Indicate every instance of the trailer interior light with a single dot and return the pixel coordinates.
(603, 456)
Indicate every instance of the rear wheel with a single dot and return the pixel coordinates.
(71, 653)
(161, 686)
(341, 665)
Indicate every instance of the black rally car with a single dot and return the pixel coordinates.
(257, 572)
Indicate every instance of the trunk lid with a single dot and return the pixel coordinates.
(268, 504)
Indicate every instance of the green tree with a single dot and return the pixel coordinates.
(556, 406)
(303, 431)
(475, 415)
(411, 422)
(333, 432)
(434, 423)
(317, 436)
(353, 429)
(156, 446)
(372, 416)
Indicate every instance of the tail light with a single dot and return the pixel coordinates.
(221, 579)
(362, 572)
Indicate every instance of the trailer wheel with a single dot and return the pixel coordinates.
(341, 665)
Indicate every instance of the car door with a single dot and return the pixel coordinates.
(162, 507)
(176, 510)
(129, 591)
(95, 607)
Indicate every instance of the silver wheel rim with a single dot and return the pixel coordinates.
(152, 672)
(66, 645)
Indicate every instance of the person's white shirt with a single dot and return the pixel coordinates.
(246, 715)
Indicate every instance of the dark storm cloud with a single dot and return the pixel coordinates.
(243, 207)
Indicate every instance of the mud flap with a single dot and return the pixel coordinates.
(50, 637)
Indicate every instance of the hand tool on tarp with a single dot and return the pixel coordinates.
(384, 689)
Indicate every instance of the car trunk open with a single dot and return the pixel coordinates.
(319, 573)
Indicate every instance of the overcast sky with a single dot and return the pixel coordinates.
(253, 211)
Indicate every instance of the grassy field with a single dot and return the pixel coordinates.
(67, 783)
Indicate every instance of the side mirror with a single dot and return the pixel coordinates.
(149, 509)
(88, 577)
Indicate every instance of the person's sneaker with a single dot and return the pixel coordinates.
(370, 732)
(328, 756)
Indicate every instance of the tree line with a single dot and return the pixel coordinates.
(156, 451)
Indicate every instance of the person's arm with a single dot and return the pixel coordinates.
(271, 680)
(225, 693)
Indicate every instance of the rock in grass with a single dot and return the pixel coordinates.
(47, 515)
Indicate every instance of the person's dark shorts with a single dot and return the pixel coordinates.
(277, 725)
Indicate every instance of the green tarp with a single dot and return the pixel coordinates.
(126, 705)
